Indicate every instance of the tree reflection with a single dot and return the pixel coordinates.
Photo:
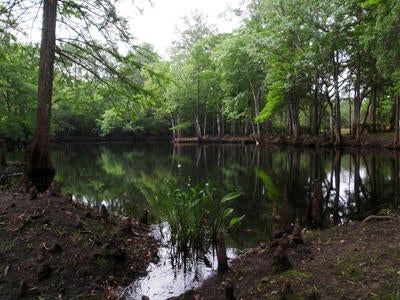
(320, 186)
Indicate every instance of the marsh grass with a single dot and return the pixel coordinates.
(194, 215)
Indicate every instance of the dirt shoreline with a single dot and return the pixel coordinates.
(354, 261)
(54, 248)
(367, 141)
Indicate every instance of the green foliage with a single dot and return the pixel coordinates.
(284, 62)
(195, 214)
(275, 101)
(18, 79)
(222, 214)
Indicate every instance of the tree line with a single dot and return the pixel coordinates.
(293, 68)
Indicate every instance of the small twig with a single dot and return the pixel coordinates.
(6, 271)
(378, 218)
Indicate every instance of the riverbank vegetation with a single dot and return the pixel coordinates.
(293, 68)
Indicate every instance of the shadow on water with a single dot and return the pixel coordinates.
(322, 187)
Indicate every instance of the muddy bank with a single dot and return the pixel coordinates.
(54, 248)
(354, 261)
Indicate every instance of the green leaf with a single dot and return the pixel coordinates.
(227, 212)
(194, 203)
(369, 3)
(230, 196)
(235, 220)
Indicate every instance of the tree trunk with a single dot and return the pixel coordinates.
(294, 114)
(331, 118)
(315, 118)
(372, 113)
(173, 127)
(338, 133)
(198, 128)
(219, 127)
(256, 97)
(39, 167)
(221, 253)
(350, 114)
(396, 125)
(205, 125)
(357, 102)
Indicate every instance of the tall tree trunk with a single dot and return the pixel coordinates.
(173, 127)
(338, 127)
(179, 132)
(218, 125)
(198, 128)
(315, 118)
(256, 91)
(294, 114)
(205, 124)
(331, 116)
(350, 116)
(372, 113)
(197, 118)
(39, 167)
(357, 102)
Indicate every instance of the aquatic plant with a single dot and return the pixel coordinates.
(195, 214)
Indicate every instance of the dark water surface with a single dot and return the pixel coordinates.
(319, 186)
(354, 184)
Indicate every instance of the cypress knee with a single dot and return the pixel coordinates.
(221, 253)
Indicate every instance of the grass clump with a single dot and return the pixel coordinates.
(194, 214)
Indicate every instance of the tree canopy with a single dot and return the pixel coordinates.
(292, 67)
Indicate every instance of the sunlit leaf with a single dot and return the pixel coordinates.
(235, 220)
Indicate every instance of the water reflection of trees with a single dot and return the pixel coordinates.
(321, 186)
(358, 184)
(99, 174)
(326, 187)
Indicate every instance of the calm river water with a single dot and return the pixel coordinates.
(318, 186)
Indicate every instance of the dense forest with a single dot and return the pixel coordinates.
(292, 68)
